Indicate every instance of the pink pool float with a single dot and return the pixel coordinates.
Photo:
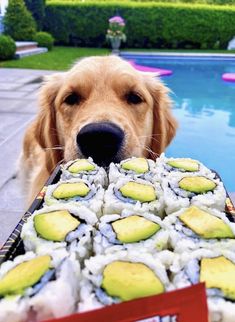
(229, 77)
(151, 70)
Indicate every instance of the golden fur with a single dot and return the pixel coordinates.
(102, 83)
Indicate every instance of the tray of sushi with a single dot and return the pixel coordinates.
(141, 241)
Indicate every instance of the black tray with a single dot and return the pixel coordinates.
(14, 245)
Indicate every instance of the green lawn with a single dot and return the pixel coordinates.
(61, 58)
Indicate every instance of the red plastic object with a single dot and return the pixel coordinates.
(229, 77)
(185, 305)
(147, 69)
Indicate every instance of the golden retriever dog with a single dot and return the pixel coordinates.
(102, 108)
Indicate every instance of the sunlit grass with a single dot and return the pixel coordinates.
(60, 58)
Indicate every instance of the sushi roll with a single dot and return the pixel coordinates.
(165, 166)
(216, 269)
(200, 227)
(135, 195)
(183, 190)
(78, 192)
(33, 288)
(106, 279)
(142, 232)
(132, 168)
(60, 227)
(84, 169)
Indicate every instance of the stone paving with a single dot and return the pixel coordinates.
(18, 106)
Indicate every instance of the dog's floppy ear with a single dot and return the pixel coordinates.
(164, 123)
(45, 124)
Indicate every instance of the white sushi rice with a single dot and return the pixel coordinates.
(58, 298)
(50, 301)
(162, 169)
(94, 203)
(113, 205)
(116, 171)
(214, 199)
(221, 310)
(167, 257)
(103, 240)
(14, 309)
(93, 275)
(182, 238)
(81, 245)
(96, 176)
(186, 272)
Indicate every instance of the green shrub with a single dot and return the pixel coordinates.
(7, 47)
(216, 45)
(148, 24)
(37, 8)
(18, 21)
(44, 39)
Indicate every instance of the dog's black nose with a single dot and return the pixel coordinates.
(102, 141)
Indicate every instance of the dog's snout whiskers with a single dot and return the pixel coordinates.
(55, 148)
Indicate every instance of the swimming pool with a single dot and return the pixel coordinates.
(204, 108)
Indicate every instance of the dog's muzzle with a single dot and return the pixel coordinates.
(102, 141)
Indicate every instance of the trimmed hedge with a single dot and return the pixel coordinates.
(44, 39)
(7, 47)
(18, 21)
(37, 8)
(148, 24)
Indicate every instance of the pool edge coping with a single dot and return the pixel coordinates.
(175, 54)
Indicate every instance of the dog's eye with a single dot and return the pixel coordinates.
(133, 98)
(72, 99)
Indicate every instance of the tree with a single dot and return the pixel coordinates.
(18, 21)
(37, 8)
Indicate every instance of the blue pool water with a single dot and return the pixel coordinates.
(205, 110)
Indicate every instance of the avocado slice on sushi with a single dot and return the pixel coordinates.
(184, 164)
(70, 190)
(219, 272)
(134, 228)
(204, 224)
(139, 165)
(138, 191)
(24, 275)
(55, 225)
(197, 184)
(81, 165)
(129, 281)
